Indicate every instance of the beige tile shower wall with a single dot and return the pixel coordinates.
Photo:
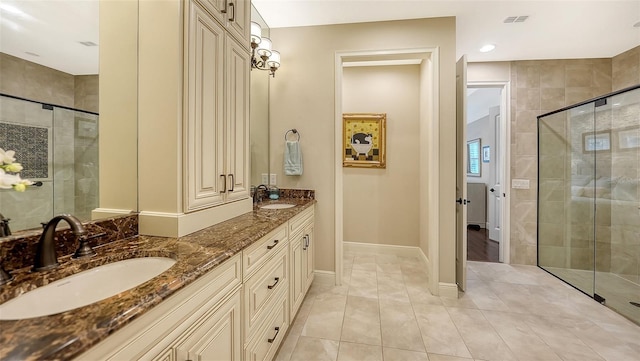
(538, 87)
(32, 81)
(626, 69)
(25, 79)
(86, 93)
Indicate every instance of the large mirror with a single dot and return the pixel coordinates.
(259, 116)
(49, 55)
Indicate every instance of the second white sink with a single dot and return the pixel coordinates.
(84, 288)
(278, 206)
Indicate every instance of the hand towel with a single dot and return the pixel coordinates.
(292, 158)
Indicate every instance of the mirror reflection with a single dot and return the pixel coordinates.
(259, 122)
(49, 108)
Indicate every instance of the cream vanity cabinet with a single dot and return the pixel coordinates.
(216, 99)
(200, 322)
(302, 264)
(266, 295)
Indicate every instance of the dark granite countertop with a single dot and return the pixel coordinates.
(66, 335)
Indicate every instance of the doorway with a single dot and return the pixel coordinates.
(486, 171)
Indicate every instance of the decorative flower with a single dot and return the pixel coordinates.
(8, 166)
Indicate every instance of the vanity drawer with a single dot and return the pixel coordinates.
(258, 253)
(261, 290)
(301, 220)
(271, 333)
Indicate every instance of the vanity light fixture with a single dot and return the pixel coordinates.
(263, 57)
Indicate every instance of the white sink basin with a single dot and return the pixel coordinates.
(277, 206)
(84, 288)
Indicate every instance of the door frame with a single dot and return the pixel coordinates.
(430, 119)
(505, 155)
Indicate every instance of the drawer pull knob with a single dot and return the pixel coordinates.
(274, 284)
(274, 336)
(275, 242)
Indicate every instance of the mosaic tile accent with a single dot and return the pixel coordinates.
(31, 145)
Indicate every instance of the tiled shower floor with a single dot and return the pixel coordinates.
(383, 311)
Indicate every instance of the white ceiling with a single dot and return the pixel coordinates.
(48, 32)
(555, 29)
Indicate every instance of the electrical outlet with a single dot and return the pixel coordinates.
(272, 179)
(520, 183)
(265, 178)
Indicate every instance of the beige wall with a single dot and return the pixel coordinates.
(25, 79)
(302, 97)
(626, 69)
(381, 205)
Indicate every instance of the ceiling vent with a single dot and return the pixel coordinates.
(516, 19)
(88, 43)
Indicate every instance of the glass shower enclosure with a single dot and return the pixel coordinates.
(589, 198)
(58, 148)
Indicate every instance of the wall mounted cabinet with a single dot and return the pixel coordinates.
(216, 123)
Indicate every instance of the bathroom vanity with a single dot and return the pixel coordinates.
(232, 294)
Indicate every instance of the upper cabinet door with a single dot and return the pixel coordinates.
(204, 121)
(239, 21)
(237, 91)
(235, 15)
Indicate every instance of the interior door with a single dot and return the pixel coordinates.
(461, 173)
(495, 203)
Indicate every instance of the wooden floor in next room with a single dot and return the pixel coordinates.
(480, 247)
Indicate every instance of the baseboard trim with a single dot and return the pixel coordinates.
(387, 248)
(181, 224)
(449, 290)
(324, 277)
(100, 213)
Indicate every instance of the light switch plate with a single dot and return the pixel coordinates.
(272, 179)
(265, 178)
(520, 183)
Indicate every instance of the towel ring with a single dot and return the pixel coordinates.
(294, 131)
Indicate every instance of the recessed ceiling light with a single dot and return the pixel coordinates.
(32, 54)
(637, 25)
(88, 43)
(487, 48)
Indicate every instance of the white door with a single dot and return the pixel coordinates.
(495, 200)
(461, 173)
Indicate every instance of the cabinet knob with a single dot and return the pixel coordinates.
(270, 340)
(232, 17)
(275, 242)
(224, 179)
(277, 279)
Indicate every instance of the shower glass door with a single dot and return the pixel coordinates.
(589, 198)
(617, 210)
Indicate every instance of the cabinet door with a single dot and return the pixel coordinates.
(216, 337)
(204, 118)
(308, 249)
(237, 92)
(239, 21)
(296, 279)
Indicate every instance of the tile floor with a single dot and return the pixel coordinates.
(384, 311)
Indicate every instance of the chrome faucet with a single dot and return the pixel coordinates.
(46, 252)
(256, 193)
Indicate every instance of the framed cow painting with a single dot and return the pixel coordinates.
(363, 140)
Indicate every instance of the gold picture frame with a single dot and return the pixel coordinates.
(364, 140)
